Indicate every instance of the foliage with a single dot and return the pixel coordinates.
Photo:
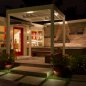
(74, 64)
(6, 58)
(11, 57)
(3, 58)
(61, 65)
(60, 60)
(78, 64)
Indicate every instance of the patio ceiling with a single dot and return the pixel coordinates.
(36, 15)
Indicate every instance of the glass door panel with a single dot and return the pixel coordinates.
(18, 41)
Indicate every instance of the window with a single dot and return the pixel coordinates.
(2, 36)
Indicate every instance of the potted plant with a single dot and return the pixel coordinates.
(3, 59)
(60, 64)
(11, 59)
(6, 60)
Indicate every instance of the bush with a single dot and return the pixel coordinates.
(59, 59)
(6, 59)
(61, 64)
(78, 64)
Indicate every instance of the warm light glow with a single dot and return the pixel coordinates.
(56, 14)
(55, 72)
(49, 73)
(28, 31)
(30, 12)
(28, 42)
(57, 23)
(62, 22)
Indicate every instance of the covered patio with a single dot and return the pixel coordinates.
(35, 14)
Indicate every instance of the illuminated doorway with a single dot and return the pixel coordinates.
(18, 40)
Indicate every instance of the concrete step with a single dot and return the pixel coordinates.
(31, 81)
(8, 83)
(35, 71)
(20, 80)
(35, 65)
(34, 62)
(11, 77)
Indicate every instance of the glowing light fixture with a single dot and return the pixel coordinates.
(62, 22)
(30, 12)
(28, 31)
(56, 14)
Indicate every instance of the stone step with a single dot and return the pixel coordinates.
(35, 71)
(11, 77)
(31, 81)
(20, 80)
(33, 62)
(35, 65)
(8, 83)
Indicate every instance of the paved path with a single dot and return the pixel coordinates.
(30, 74)
(4, 82)
(78, 80)
(10, 79)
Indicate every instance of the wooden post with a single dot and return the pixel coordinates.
(64, 33)
(52, 30)
(8, 33)
(30, 42)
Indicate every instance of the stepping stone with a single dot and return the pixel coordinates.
(27, 70)
(11, 77)
(53, 82)
(74, 83)
(7, 83)
(31, 80)
(1, 73)
(79, 78)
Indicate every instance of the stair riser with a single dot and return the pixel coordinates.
(29, 73)
(34, 65)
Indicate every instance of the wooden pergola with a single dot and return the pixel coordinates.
(48, 10)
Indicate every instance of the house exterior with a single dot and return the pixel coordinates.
(40, 36)
(35, 37)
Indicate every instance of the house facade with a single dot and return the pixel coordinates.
(20, 35)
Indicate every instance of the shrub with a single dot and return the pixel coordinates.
(6, 59)
(78, 64)
(61, 64)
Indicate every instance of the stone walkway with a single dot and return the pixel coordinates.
(22, 75)
(4, 82)
(30, 72)
(78, 80)
(11, 79)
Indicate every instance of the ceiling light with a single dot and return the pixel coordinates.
(30, 12)
(62, 22)
(28, 31)
(56, 14)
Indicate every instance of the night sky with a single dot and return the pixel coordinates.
(73, 9)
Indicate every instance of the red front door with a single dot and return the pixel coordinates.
(18, 40)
